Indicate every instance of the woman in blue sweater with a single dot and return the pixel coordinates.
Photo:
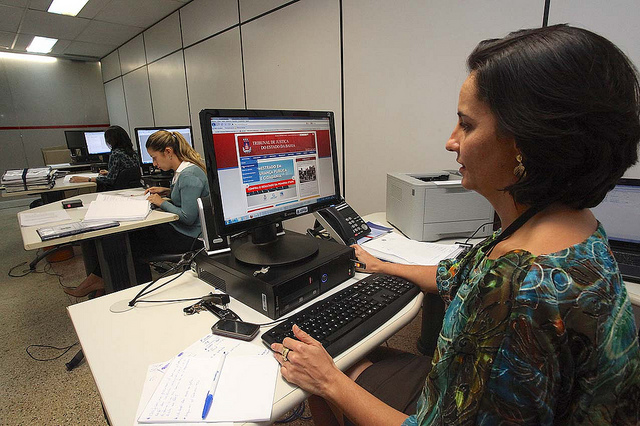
(170, 151)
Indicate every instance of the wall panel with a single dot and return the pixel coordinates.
(163, 38)
(214, 77)
(114, 91)
(169, 91)
(138, 99)
(203, 18)
(132, 54)
(110, 65)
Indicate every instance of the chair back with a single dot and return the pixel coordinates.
(128, 178)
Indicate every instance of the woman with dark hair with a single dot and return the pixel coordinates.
(122, 158)
(538, 327)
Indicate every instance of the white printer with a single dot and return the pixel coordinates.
(432, 206)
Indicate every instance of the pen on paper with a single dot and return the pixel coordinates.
(212, 390)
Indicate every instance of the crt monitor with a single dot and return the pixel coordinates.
(143, 133)
(96, 143)
(267, 166)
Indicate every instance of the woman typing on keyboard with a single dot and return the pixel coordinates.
(538, 328)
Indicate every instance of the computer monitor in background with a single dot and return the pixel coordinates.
(76, 144)
(265, 167)
(96, 144)
(143, 133)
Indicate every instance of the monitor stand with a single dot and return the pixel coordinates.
(266, 248)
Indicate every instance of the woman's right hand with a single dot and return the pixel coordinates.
(372, 264)
(157, 190)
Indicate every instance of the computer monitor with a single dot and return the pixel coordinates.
(96, 143)
(265, 167)
(143, 133)
(75, 139)
(618, 213)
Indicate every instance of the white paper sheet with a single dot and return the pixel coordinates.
(181, 393)
(254, 371)
(40, 218)
(394, 247)
(67, 178)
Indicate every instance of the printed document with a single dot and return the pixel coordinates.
(396, 248)
(115, 207)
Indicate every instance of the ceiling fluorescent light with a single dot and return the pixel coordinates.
(41, 44)
(23, 57)
(67, 7)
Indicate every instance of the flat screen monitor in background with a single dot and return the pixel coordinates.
(96, 144)
(75, 139)
(143, 133)
(265, 167)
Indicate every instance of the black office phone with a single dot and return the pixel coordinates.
(342, 223)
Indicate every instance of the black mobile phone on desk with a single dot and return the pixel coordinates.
(235, 329)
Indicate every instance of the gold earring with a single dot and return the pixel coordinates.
(519, 170)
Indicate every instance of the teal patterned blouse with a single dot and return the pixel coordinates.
(536, 340)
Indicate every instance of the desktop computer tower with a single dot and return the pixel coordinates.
(282, 288)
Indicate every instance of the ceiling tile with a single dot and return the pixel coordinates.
(52, 25)
(107, 33)
(40, 4)
(22, 42)
(80, 48)
(19, 3)
(10, 18)
(91, 9)
(6, 40)
(139, 13)
(60, 46)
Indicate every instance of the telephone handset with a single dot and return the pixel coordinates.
(342, 223)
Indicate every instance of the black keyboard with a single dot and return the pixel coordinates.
(343, 319)
(627, 258)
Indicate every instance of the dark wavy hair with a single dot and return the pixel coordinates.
(117, 137)
(570, 99)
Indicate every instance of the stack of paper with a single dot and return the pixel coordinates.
(240, 376)
(114, 207)
(396, 248)
(28, 179)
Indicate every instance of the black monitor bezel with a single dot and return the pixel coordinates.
(66, 138)
(223, 229)
(149, 166)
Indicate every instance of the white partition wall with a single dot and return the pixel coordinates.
(169, 91)
(214, 77)
(391, 71)
(403, 68)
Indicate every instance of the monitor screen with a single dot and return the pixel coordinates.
(75, 139)
(619, 212)
(268, 166)
(96, 143)
(143, 133)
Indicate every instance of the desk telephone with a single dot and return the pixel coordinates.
(342, 223)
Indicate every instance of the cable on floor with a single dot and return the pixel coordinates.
(296, 414)
(65, 349)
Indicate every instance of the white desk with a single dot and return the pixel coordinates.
(112, 244)
(119, 347)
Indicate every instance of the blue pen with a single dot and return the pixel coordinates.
(212, 390)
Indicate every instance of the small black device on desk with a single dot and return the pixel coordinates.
(235, 329)
(70, 204)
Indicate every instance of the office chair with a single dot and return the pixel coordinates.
(126, 179)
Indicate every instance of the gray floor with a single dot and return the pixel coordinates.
(33, 312)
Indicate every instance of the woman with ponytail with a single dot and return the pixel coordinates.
(171, 151)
